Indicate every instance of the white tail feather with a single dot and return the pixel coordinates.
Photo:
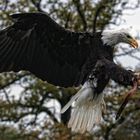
(71, 100)
(87, 111)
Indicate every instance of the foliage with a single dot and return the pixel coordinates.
(30, 108)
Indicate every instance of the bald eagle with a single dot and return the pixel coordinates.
(36, 43)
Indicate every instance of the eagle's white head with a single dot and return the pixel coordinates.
(120, 36)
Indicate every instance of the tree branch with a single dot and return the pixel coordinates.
(81, 14)
(97, 13)
(18, 77)
(37, 4)
(128, 52)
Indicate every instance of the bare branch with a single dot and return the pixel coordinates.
(97, 13)
(128, 52)
(37, 109)
(81, 14)
(125, 53)
(6, 95)
(37, 4)
(67, 20)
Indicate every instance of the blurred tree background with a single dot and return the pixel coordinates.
(30, 108)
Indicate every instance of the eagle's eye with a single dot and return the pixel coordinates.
(128, 36)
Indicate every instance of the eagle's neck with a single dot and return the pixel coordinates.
(110, 38)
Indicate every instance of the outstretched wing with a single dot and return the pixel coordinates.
(38, 44)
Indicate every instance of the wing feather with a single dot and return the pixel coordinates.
(5, 45)
(37, 44)
(9, 55)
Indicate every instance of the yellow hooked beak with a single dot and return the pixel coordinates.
(133, 43)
